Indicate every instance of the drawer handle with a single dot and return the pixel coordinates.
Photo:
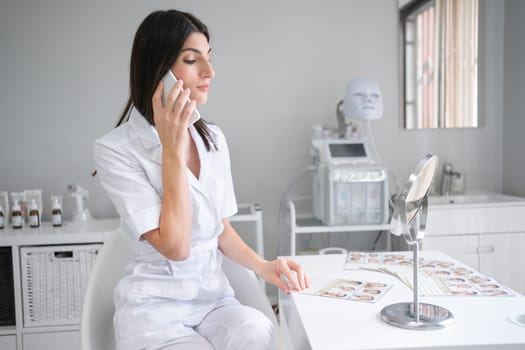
(486, 249)
(63, 255)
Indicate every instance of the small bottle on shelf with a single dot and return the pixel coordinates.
(17, 219)
(34, 215)
(56, 213)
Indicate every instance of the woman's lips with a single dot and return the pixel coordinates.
(203, 88)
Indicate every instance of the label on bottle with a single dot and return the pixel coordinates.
(16, 221)
(34, 220)
(56, 219)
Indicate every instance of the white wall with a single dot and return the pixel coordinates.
(281, 67)
(514, 106)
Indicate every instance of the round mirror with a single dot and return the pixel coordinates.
(420, 180)
(412, 199)
(410, 218)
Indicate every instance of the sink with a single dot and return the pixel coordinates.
(473, 198)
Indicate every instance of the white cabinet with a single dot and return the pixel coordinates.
(502, 256)
(462, 248)
(51, 340)
(8, 342)
(30, 336)
(490, 237)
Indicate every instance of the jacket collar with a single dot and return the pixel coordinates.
(149, 138)
(145, 131)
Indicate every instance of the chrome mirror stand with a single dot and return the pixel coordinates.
(415, 315)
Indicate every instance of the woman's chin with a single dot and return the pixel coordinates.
(200, 99)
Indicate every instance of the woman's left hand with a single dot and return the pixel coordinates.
(285, 274)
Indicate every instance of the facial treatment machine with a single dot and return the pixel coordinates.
(350, 187)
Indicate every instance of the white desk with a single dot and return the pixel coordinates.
(320, 323)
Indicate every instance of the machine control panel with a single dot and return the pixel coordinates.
(342, 151)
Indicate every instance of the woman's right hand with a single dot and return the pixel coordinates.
(171, 120)
(173, 236)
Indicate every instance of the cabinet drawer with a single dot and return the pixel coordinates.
(462, 248)
(8, 342)
(51, 341)
(474, 220)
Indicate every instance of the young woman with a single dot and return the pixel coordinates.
(172, 187)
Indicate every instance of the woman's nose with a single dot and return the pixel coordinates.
(208, 71)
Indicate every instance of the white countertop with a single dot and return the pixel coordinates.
(69, 232)
(316, 322)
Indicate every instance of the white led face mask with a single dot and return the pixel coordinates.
(363, 100)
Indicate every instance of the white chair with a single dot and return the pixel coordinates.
(96, 324)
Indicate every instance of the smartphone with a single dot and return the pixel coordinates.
(169, 81)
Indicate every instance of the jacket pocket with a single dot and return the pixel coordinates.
(157, 280)
(166, 288)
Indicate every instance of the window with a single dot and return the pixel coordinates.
(440, 52)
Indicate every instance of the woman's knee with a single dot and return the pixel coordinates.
(239, 327)
(255, 331)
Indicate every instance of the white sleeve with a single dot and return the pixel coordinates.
(135, 199)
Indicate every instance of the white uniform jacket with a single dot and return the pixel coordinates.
(159, 299)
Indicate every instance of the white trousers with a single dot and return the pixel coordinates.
(230, 327)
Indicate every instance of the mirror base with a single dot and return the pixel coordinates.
(430, 316)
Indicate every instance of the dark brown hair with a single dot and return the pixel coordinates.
(156, 46)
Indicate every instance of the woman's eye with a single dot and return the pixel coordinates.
(189, 61)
